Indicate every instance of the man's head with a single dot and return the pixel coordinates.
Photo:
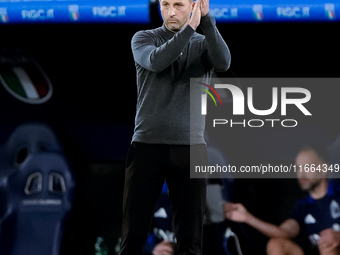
(176, 13)
(311, 162)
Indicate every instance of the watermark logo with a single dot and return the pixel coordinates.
(238, 100)
(260, 99)
(204, 97)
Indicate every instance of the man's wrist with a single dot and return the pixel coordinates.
(205, 15)
(192, 26)
(207, 21)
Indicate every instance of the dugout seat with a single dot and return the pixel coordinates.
(38, 197)
(26, 139)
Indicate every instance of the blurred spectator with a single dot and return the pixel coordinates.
(316, 218)
(161, 238)
(219, 190)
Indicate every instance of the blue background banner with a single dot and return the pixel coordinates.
(139, 11)
(75, 11)
(252, 11)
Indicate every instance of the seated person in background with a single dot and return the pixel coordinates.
(316, 216)
(161, 240)
(219, 190)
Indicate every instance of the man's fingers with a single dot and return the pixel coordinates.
(327, 247)
(229, 215)
(162, 252)
(326, 231)
(231, 206)
(195, 15)
(197, 8)
(163, 248)
(327, 243)
(166, 245)
(197, 5)
(204, 7)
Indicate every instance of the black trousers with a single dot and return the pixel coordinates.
(147, 166)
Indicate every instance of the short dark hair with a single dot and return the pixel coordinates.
(319, 149)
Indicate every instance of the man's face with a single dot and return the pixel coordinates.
(176, 13)
(308, 180)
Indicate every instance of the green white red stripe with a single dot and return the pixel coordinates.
(26, 82)
(4, 18)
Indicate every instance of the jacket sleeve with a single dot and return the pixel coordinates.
(156, 59)
(218, 51)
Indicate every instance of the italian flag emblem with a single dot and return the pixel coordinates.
(259, 15)
(258, 11)
(330, 11)
(75, 16)
(330, 14)
(74, 12)
(4, 18)
(26, 82)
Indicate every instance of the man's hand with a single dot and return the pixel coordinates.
(195, 18)
(236, 212)
(163, 248)
(329, 241)
(204, 7)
